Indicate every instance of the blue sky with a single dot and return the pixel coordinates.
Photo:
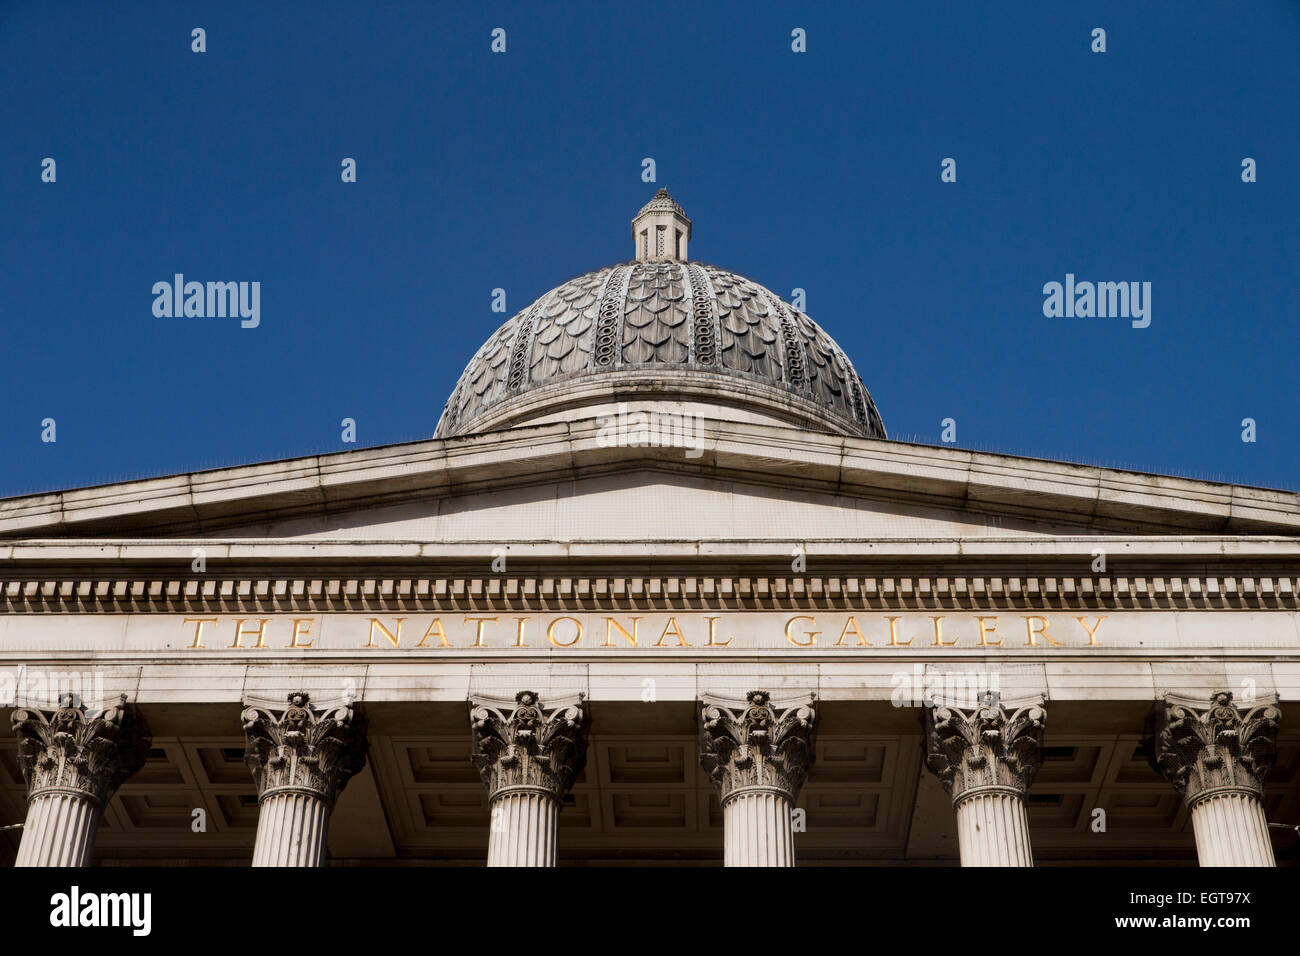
(818, 170)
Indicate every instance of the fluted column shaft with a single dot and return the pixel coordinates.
(986, 758)
(756, 829)
(1231, 830)
(993, 829)
(59, 830)
(758, 755)
(73, 760)
(291, 829)
(524, 824)
(527, 755)
(1218, 756)
(301, 757)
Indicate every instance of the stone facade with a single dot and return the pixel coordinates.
(724, 649)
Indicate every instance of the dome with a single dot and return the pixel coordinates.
(661, 328)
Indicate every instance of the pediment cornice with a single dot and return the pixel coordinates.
(1093, 498)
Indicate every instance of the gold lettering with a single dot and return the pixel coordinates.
(394, 639)
(609, 635)
(260, 632)
(577, 632)
(478, 638)
(811, 635)
(938, 634)
(1042, 631)
(1092, 631)
(852, 624)
(300, 631)
(986, 632)
(893, 633)
(676, 629)
(434, 628)
(198, 630)
(1037, 632)
(713, 634)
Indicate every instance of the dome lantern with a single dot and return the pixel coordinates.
(661, 229)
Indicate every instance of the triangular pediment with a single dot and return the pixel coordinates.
(560, 483)
(649, 505)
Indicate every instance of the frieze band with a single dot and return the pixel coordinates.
(673, 631)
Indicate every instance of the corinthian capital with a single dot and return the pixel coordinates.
(990, 747)
(528, 745)
(302, 747)
(1203, 747)
(757, 744)
(71, 749)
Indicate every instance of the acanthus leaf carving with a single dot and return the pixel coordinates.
(758, 744)
(303, 747)
(528, 745)
(1203, 747)
(990, 746)
(71, 748)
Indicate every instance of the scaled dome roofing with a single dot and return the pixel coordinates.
(681, 330)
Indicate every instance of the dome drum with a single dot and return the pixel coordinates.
(685, 389)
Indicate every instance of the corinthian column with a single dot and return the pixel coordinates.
(986, 759)
(73, 761)
(1217, 757)
(528, 756)
(301, 758)
(757, 754)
